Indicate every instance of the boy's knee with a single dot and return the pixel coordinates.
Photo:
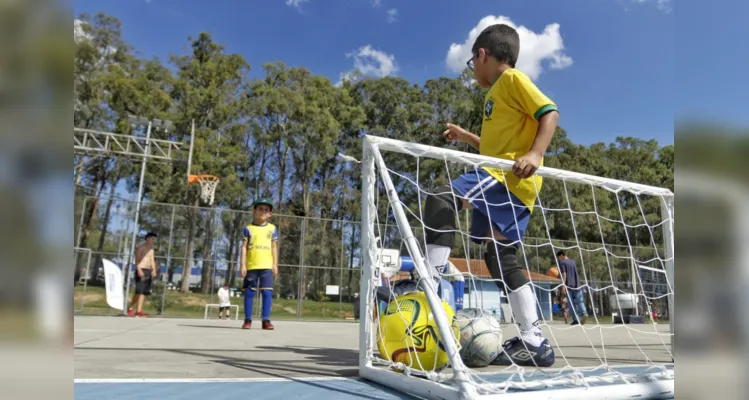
(439, 216)
(502, 261)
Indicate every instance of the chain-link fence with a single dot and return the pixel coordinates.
(198, 251)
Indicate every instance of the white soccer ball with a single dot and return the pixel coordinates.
(480, 337)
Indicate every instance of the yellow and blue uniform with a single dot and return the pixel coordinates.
(512, 108)
(259, 240)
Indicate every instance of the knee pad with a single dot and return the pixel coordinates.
(440, 213)
(504, 265)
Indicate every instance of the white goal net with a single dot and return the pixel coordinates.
(620, 235)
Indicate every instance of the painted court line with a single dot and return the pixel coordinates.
(206, 380)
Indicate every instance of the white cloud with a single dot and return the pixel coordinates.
(296, 3)
(369, 62)
(376, 3)
(663, 5)
(537, 50)
(392, 15)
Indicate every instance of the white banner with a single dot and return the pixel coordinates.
(113, 283)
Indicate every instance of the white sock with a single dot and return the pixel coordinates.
(523, 304)
(437, 257)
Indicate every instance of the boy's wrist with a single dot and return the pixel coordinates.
(536, 152)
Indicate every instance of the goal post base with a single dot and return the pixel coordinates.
(424, 388)
(410, 385)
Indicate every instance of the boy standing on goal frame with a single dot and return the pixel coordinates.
(518, 124)
(259, 261)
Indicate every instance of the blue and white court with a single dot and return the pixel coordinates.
(126, 358)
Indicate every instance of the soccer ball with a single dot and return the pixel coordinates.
(409, 334)
(480, 337)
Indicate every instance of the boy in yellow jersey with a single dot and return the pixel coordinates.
(259, 257)
(518, 123)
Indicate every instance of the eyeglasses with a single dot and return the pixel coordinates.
(469, 63)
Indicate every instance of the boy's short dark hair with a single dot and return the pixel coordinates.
(151, 234)
(501, 42)
(561, 253)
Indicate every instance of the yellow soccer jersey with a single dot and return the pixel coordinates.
(512, 108)
(259, 242)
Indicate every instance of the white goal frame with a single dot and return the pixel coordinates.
(231, 307)
(660, 387)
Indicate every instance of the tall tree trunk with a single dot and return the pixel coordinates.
(233, 239)
(88, 221)
(351, 262)
(303, 272)
(207, 270)
(105, 225)
(282, 157)
(79, 170)
(187, 267)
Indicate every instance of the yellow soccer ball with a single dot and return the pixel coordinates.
(408, 333)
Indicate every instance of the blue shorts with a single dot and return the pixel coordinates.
(508, 214)
(261, 277)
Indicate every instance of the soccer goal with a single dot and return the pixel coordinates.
(627, 223)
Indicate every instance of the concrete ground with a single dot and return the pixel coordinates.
(301, 357)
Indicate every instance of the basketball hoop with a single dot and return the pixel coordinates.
(208, 184)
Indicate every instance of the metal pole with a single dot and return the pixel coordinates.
(125, 257)
(122, 237)
(301, 268)
(137, 212)
(189, 166)
(340, 265)
(634, 288)
(667, 212)
(165, 276)
(213, 247)
(368, 279)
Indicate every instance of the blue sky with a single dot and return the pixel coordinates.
(609, 65)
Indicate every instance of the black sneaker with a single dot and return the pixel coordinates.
(515, 352)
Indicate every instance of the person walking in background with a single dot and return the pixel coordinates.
(571, 288)
(146, 271)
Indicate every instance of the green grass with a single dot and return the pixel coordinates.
(192, 305)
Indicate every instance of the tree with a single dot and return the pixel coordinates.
(100, 53)
(207, 90)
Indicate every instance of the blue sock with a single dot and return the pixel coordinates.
(249, 296)
(267, 298)
(459, 288)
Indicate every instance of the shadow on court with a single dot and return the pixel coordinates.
(296, 366)
(234, 327)
(314, 362)
(345, 362)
